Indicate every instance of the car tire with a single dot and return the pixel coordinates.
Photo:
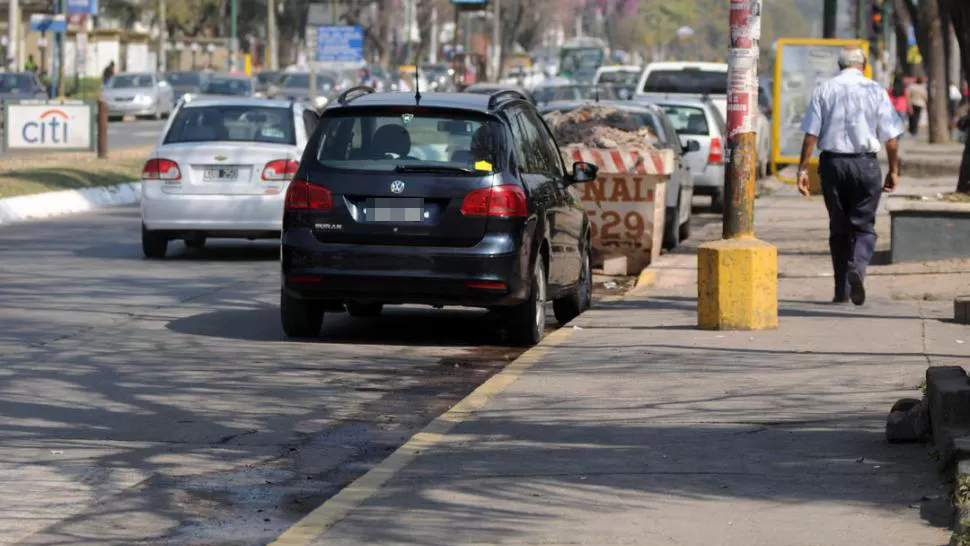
(579, 300)
(195, 242)
(717, 202)
(671, 238)
(527, 321)
(300, 318)
(355, 309)
(154, 244)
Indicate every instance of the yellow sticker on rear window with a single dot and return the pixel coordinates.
(483, 166)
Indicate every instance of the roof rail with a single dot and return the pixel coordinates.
(356, 91)
(494, 98)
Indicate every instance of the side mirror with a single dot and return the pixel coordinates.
(692, 146)
(584, 172)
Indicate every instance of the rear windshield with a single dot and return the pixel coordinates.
(620, 76)
(232, 123)
(324, 81)
(411, 139)
(129, 81)
(20, 83)
(687, 120)
(228, 86)
(268, 77)
(686, 81)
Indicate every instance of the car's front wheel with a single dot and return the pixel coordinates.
(300, 318)
(527, 321)
(154, 244)
(671, 236)
(578, 300)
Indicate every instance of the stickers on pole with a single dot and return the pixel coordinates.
(742, 103)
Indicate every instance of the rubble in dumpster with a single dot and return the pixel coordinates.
(598, 126)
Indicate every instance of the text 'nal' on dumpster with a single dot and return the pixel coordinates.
(625, 203)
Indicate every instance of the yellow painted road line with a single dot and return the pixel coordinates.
(317, 522)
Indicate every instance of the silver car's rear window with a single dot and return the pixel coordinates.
(688, 120)
(232, 123)
(128, 81)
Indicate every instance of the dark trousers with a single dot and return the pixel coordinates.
(852, 186)
(914, 120)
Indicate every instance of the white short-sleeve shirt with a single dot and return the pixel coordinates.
(851, 114)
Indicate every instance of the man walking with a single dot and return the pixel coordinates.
(848, 118)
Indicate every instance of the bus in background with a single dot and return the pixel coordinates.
(580, 58)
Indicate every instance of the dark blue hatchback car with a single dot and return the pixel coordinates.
(442, 199)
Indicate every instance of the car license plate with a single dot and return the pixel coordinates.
(220, 173)
(394, 210)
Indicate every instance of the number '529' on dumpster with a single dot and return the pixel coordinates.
(625, 203)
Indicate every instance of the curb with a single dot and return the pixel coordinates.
(49, 204)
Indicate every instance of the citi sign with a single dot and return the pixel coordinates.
(51, 127)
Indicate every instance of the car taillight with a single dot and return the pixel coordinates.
(717, 151)
(161, 169)
(302, 195)
(281, 169)
(505, 201)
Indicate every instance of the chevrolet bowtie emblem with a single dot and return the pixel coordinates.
(221, 158)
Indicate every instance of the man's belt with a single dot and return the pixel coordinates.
(870, 155)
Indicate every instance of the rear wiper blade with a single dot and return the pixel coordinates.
(432, 169)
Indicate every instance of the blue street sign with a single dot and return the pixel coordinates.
(41, 22)
(89, 7)
(340, 43)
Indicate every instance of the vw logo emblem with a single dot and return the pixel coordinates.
(397, 186)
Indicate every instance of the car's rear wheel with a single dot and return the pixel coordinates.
(195, 242)
(671, 238)
(356, 309)
(685, 230)
(527, 321)
(571, 306)
(154, 244)
(717, 202)
(300, 318)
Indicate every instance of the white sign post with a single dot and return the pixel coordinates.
(43, 125)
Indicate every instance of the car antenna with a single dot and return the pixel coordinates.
(417, 86)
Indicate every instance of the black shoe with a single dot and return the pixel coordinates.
(857, 290)
(840, 300)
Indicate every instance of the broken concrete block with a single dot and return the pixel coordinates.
(615, 267)
(948, 400)
(908, 421)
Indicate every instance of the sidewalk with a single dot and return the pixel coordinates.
(637, 428)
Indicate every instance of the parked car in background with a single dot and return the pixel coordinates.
(440, 77)
(622, 74)
(139, 94)
(548, 93)
(186, 83)
(295, 86)
(221, 170)
(623, 91)
(231, 85)
(695, 80)
(20, 86)
(680, 187)
(369, 223)
(699, 120)
(266, 79)
(492, 88)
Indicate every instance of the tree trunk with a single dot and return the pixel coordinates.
(901, 24)
(960, 17)
(929, 38)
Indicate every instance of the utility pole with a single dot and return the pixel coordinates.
(272, 56)
(497, 40)
(829, 18)
(407, 31)
(234, 40)
(59, 43)
(271, 62)
(737, 277)
(13, 25)
(162, 36)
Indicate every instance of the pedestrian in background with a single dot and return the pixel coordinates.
(109, 72)
(847, 119)
(31, 64)
(899, 95)
(918, 97)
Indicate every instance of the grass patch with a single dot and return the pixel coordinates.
(29, 175)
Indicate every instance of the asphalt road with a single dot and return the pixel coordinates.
(157, 401)
(129, 134)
